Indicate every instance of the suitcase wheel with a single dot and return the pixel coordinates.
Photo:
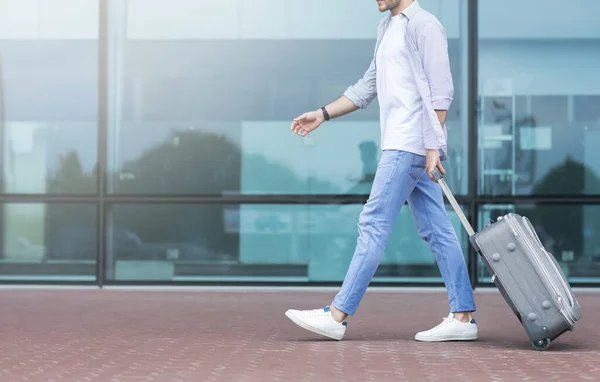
(541, 345)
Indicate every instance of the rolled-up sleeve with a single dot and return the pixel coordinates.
(433, 49)
(365, 90)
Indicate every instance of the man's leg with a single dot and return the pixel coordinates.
(433, 224)
(392, 186)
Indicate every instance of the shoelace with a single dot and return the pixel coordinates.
(445, 321)
(317, 313)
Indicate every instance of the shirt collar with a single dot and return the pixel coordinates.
(411, 10)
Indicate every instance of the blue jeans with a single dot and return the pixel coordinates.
(400, 177)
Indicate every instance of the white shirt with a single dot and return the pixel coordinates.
(430, 66)
(400, 102)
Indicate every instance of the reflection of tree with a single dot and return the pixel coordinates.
(201, 226)
(69, 176)
(70, 229)
(188, 162)
(564, 223)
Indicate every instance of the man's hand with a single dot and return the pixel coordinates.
(307, 122)
(432, 161)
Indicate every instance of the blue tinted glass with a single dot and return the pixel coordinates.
(48, 242)
(256, 242)
(539, 125)
(567, 231)
(204, 104)
(49, 97)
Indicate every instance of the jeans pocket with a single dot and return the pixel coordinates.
(417, 167)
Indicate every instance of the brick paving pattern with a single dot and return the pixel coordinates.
(120, 335)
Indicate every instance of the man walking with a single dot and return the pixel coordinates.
(410, 75)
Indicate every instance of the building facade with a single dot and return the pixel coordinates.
(148, 141)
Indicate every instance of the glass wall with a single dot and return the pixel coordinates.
(201, 97)
(49, 129)
(539, 89)
(539, 121)
(254, 242)
(567, 231)
(149, 141)
(49, 96)
(55, 241)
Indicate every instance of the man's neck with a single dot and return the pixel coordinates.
(401, 7)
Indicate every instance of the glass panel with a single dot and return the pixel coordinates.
(48, 242)
(587, 109)
(539, 125)
(256, 242)
(204, 106)
(569, 232)
(49, 96)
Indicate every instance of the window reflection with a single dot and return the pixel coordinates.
(49, 98)
(259, 242)
(539, 97)
(191, 113)
(49, 241)
(566, 231)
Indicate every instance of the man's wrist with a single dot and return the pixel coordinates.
(320, 116)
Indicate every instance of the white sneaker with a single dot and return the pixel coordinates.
(318, 321)
(450, 330)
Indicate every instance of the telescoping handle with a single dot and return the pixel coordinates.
(437, 175)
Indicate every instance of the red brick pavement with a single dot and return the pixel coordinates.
(117, 335)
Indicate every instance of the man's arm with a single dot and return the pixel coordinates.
(432, 46)
(364, 91)
(433, 49)
(310, 121)
(339, 107)
(432, 156)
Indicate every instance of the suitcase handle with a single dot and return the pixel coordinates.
(439, 178)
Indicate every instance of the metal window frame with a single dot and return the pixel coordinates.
(473, 70)
(103, 55)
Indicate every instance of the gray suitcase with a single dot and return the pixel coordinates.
(528, 277)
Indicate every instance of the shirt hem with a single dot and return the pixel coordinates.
(411, 150)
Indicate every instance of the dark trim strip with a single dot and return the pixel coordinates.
(279, 199)
(49, 283)
(195, 199)
(336, 284)
(2, 127)
(2, 146)
(102, 138)
(307, 284)
(472, 107)
(533, 199)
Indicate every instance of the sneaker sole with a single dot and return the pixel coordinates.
(471, 337)
(303, 325)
